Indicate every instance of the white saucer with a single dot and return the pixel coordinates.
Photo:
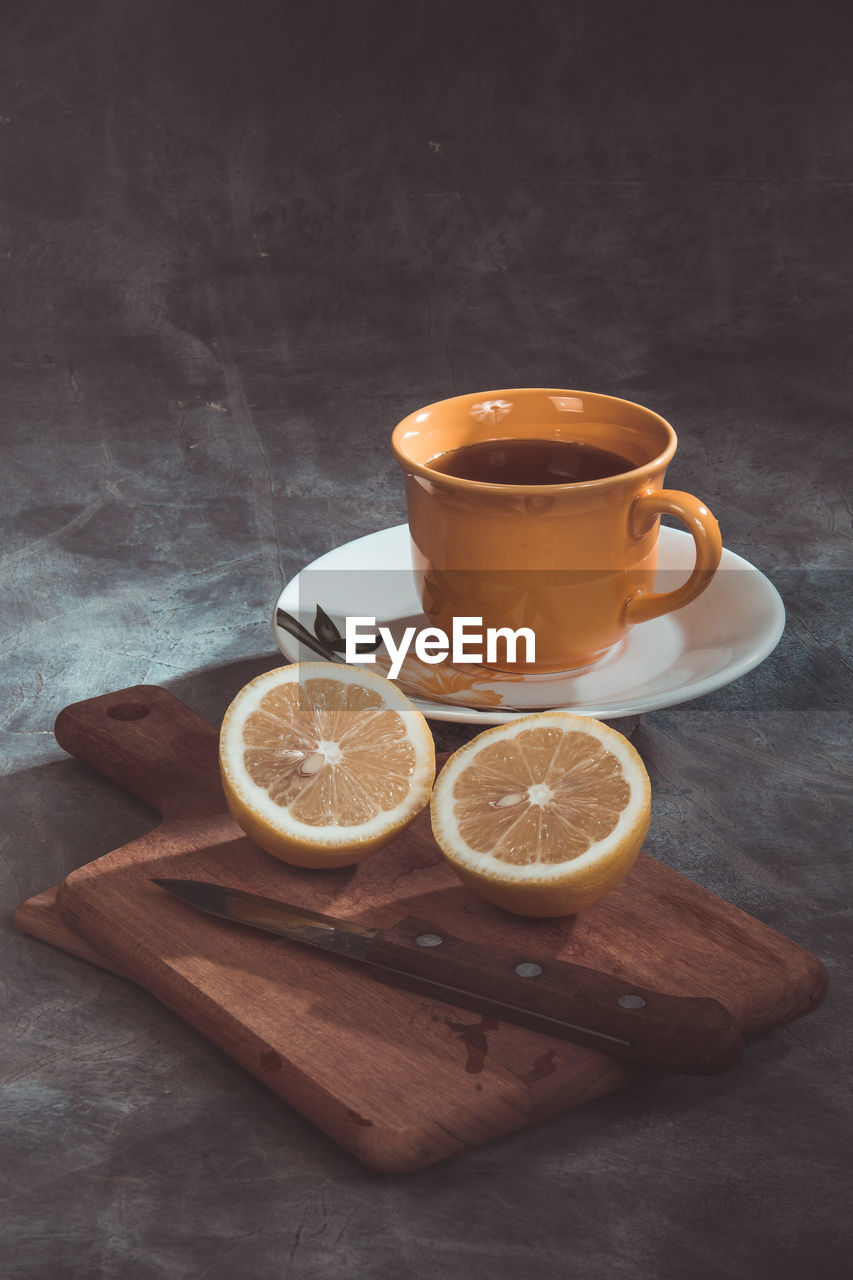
(730, 629)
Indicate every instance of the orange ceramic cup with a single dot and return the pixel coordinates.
(573, 562)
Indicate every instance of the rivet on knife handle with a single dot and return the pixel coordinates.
(694, 1035)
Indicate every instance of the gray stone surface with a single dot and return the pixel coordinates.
(239, 242)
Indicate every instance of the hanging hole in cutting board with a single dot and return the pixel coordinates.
(128, 711)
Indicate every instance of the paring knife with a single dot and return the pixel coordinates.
(694, 1035)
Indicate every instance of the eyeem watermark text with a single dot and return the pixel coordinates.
(432, 645)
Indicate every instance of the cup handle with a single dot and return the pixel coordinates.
(643, 605)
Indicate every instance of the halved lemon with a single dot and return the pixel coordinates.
(323, 763)
(543, 815)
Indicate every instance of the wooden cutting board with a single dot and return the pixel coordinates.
(399, 1080)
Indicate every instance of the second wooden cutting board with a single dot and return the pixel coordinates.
(399, 1080)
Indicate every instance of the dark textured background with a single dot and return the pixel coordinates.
(239, 241)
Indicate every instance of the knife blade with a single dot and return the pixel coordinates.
(692, 1035)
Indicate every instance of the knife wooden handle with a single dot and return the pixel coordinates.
(693, 1035)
